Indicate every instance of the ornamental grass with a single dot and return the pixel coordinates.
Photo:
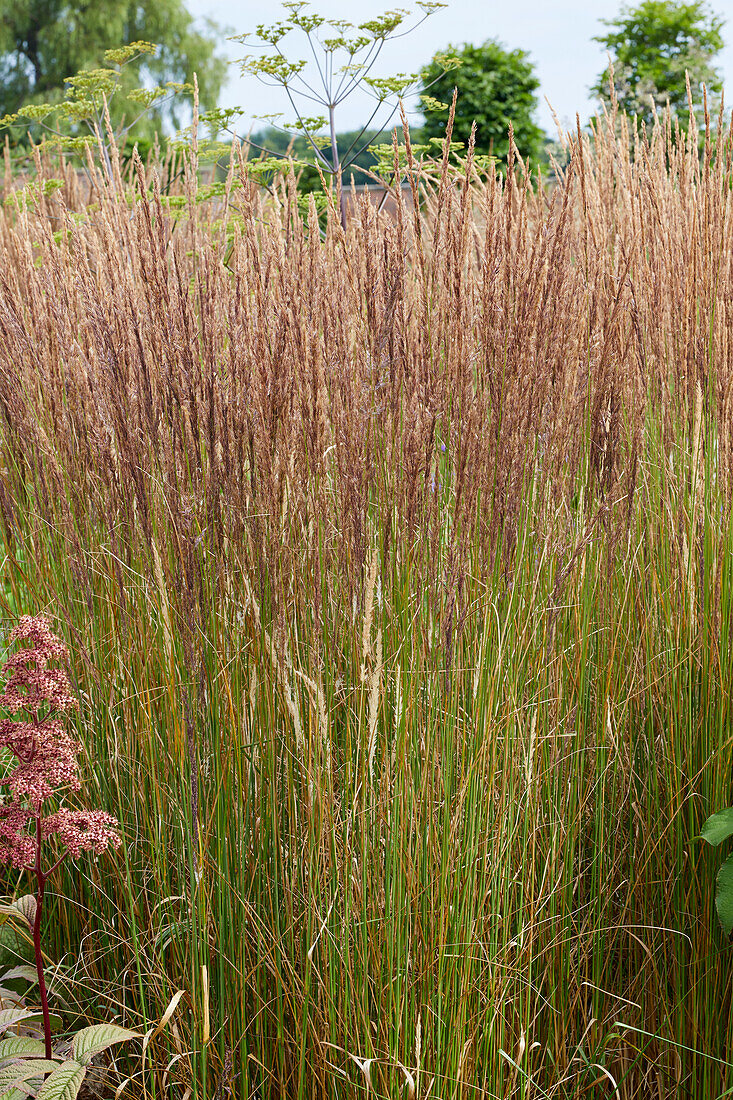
(396, 564)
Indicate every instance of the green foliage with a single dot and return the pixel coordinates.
(90, 94)
(42, 41)
(717, 828)
(724, 895)
(496, 87)
(20, 1044)
(29, 1073)
(384, 154)
(15, 943)
(433, 149)
(23, 1065)
(652, 46)
(413, 814)
(92, 1040)
(63, 1083)
(366, 157)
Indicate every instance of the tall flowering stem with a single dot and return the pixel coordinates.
(38, 695)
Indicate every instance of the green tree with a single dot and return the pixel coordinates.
(42, 42)
(496, 87)
(80, 119)
(651, 47)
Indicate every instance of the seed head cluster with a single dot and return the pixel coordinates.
(46, 754)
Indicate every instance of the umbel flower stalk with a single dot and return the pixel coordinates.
(38, 696)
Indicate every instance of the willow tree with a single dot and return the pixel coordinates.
(43, 42)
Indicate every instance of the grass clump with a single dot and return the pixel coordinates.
(399, 559)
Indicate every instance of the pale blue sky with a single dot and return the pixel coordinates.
(557, 34)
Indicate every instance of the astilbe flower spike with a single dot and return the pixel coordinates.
(46, 762)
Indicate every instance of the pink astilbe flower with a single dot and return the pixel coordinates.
(46, 763)
(82, 830)
(31, 684)
(16, 846)
(46, 753)
(46, 758)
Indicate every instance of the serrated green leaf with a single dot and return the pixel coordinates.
(26, 972)
(17, 1073)
(26, 906)
(718, 827)
(14, 1046)
(724, 895)
(11, 1016)
(64, 1083)
(90, 1040)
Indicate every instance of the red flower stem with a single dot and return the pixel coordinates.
(41, 881)
(55, 865)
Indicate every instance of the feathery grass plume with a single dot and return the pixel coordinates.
(498, 428)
